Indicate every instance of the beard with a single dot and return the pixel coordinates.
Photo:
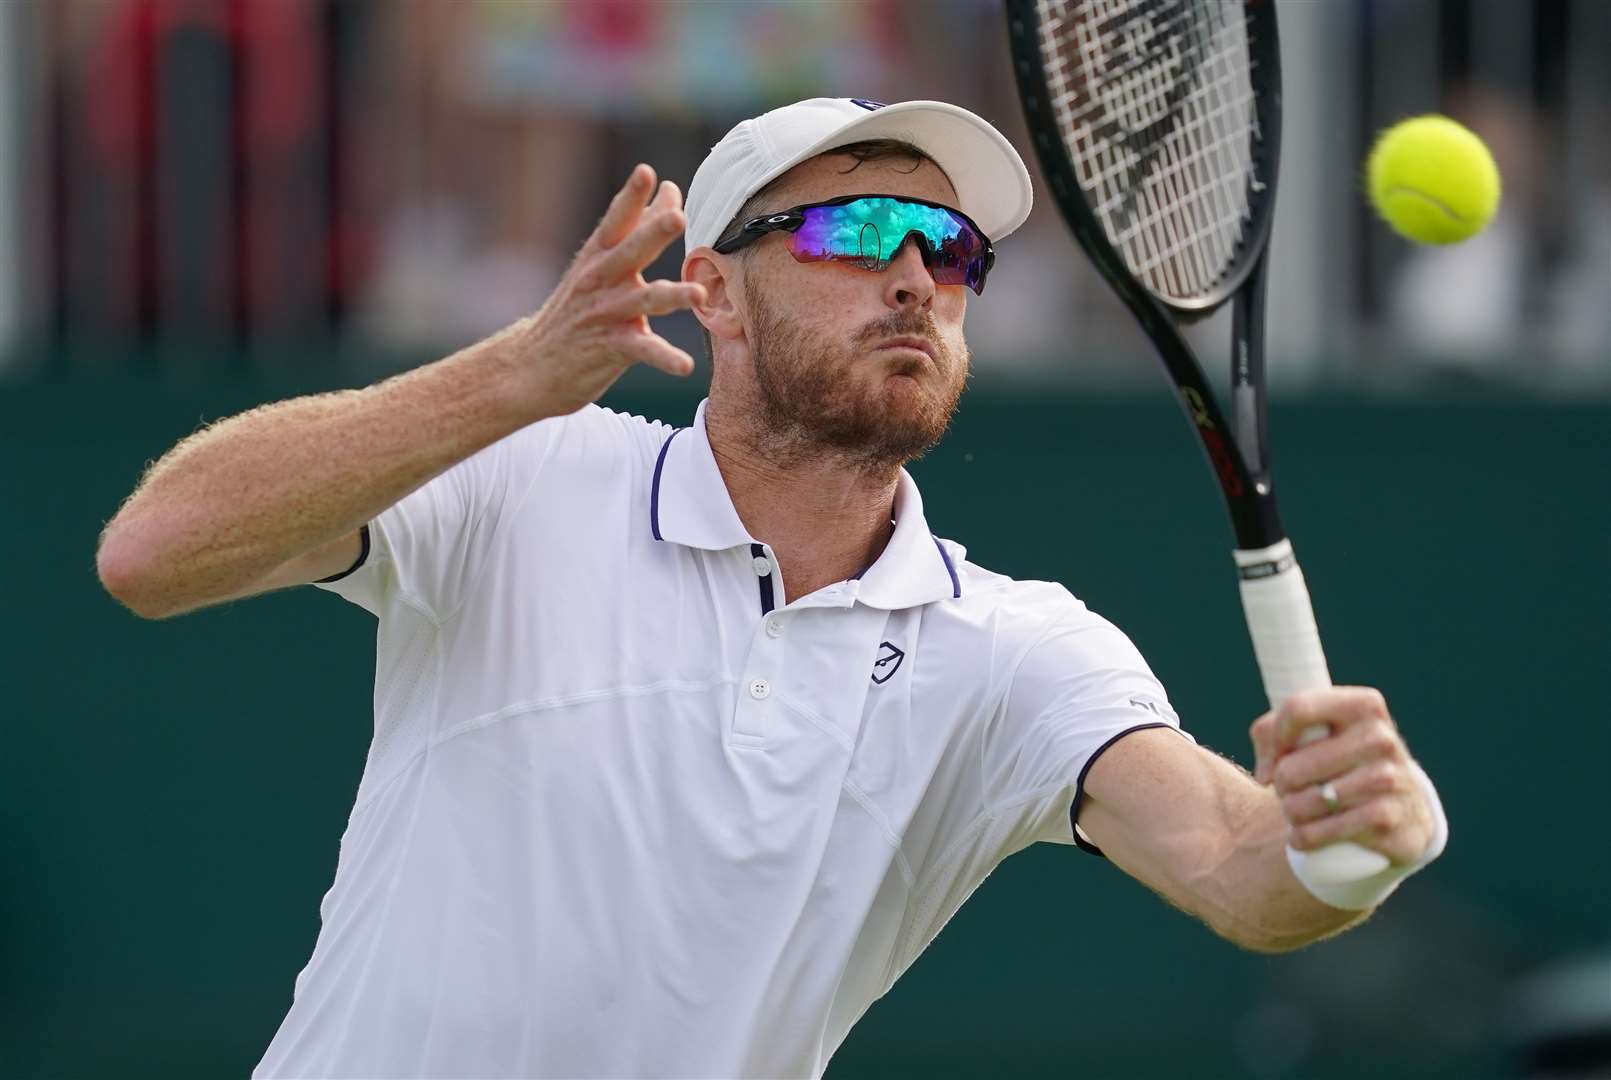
(811, 405)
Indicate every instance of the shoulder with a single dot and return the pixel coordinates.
(1006, 618)
(592, 435)
(1029, 604)
(1011, 619)
(596, 422)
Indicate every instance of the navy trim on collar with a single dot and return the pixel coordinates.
(697, 511)
(956, 584)
(654, 489)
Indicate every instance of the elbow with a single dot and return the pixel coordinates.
(1272, 946)
(1273, 943)
(125, 574)
(1257, 940)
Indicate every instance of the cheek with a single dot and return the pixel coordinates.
(951, 303)
(814, 292)
(949, 314)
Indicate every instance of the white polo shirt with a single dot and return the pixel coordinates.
(625, 815)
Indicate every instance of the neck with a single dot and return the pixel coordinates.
(826, 518)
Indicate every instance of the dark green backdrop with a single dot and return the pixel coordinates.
(173, 792)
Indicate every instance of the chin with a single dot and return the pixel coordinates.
(914, 398)
(902, 390)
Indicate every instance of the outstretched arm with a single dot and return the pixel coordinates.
(1212, 840)
(277, 496)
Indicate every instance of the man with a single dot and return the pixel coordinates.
(689, 741)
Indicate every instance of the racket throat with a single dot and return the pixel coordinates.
(1249, 410)
(1245, 411)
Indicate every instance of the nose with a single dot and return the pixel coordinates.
(907, 282)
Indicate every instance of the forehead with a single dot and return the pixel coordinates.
(830, 175)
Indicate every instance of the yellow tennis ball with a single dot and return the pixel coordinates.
(1432, 180)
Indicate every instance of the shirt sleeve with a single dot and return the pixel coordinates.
(426, 549)
(1079, 687)
(1078, 690)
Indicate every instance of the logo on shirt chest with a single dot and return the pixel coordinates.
(888, 662)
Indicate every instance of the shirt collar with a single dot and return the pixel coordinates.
(689, 504)
(915, 567)
(688, 499)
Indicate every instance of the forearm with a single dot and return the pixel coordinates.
(234, 501)
(1212, 840)
(1249, 895)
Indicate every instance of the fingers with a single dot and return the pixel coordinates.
(1374, 781)
(1264, 749)
(1327, 711)
(1349, 749)
(1360, 762)
(1270, 742)
(643, 244)
(595, 323)
(1384, 825)
(657, 352)
(624, 320)
(625, 209)
(667, 197)
(1363, 823)
(1336, 707)
(659, 298)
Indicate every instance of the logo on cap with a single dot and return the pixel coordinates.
(868, 105)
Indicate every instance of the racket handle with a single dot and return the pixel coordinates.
(1286, 642)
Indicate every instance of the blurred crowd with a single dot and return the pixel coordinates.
(411, 175)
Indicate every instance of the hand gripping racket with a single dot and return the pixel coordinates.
(1158, 126)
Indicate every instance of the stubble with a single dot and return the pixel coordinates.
(811, 408)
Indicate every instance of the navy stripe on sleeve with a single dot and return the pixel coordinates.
(363, 555)
(1079, 786)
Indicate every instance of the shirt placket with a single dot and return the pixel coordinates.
(764, 665)
(765, 668)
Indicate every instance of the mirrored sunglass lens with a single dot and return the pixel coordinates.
(870, 231)
(848, 232)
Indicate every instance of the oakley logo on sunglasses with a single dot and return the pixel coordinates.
(869, 231)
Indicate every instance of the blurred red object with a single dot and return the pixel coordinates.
(211, 141)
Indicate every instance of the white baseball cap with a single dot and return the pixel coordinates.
(991, 182)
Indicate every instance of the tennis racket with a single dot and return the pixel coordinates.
(1158, 127)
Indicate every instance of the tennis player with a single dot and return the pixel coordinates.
(688, 741)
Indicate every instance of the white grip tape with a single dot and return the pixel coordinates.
(1367, 892)
(1286, 642)
(1282, 622)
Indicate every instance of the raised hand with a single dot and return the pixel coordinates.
(595, 324)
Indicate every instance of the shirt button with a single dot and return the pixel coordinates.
(759, 689)
(774, 626)
(762, 565)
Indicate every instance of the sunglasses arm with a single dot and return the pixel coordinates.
(755, 228)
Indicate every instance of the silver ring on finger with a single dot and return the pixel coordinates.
(1328, 795)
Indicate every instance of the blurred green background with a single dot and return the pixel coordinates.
(210, 204)
(174, 792)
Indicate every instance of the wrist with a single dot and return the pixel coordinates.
(1369, 892)
(507, 384)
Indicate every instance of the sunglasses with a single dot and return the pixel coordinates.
(868, 230)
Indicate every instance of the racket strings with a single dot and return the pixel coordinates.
(1154, 87)
(1158, 114)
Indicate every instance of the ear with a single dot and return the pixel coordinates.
(719, 313)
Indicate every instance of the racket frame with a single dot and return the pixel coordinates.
(1280, 616)
(1239, 454)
